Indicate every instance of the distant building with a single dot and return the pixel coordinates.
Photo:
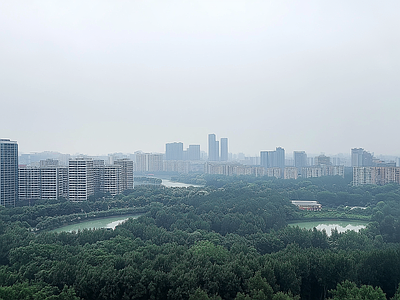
(376, 175)
(8, 172)
(224, 149)
(193, 152)
(307, 205)
(213, 148)
(322, 160)
(273, 159)
(322, 170)
(361, 158)
(230, 169)
(290, 173)
(149, 162)
(174, 151)
(172, 166)
(300, 159)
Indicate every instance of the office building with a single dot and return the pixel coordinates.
(213, 148)
(174, 151)
(80, 179)
(8, 172)
(224, 149)
(193, 152)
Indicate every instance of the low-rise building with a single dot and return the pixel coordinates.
(307, 205)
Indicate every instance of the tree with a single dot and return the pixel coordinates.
(349, 291)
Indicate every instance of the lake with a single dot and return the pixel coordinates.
(169, 183)
(110, 222)
(329, 225)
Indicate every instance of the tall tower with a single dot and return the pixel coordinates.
(213, 148)
(280, 157)
(224, 149)
(8, 172)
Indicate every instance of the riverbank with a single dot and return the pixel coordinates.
(57, 222)
(96, 223)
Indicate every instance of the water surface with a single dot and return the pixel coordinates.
(110, 222)
(340, 225)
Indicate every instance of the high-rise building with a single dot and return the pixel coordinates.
(80, 179)
(300, 159)
(53, 182)
(174, 151)
(29, 183)
(149, 162)
(322, 160)
(8, 172)
(264, 159)
(224, 149)
(47, 182)
(193, 152)
(112, 179)
(213, 148)
(361, 158)
(280, 158)
(127, 173)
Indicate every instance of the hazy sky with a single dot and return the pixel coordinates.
(119, 76)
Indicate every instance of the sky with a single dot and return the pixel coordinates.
(98, 77)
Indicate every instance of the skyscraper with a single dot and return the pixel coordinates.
(213, 148)
(224, 149)
(193, 152)
(300, 159)
(8, 172)
(280, 157)
(174, 151)
(361, 158)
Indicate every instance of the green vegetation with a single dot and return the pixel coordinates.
(227, 240)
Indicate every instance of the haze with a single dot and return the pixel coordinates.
(119, 76)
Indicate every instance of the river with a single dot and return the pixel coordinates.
(110, 222)
(329, 225)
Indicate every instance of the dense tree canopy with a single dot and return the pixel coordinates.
(226, 240)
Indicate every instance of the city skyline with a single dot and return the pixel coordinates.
(315, 77)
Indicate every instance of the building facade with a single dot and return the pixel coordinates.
(174, 151)
(80, 179)
(8, 172)
(149, 162)
(224, 149)
(213, 148)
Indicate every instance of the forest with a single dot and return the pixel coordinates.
(229, 239)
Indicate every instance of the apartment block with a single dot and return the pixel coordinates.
(80, 179)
